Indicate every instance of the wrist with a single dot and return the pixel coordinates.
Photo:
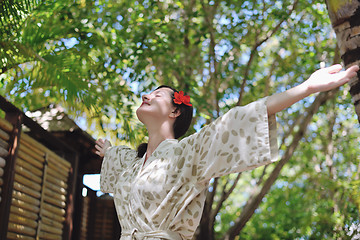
(304, 89)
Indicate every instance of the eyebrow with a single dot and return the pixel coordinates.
(158, 91)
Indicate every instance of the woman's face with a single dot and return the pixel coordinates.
(156, 105)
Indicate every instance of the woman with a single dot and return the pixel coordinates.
(159, 191)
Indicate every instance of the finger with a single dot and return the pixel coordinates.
(354, 68)
(351, 71)
(101, 143)
(351, 74)
(334, 68)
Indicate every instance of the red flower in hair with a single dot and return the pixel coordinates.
(180, 98)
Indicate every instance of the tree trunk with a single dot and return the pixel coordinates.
(345, 19)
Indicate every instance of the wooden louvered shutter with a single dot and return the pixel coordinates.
(40, 190)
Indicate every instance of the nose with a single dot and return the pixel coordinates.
(145, 97)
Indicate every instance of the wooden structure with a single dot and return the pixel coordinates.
(41, 182)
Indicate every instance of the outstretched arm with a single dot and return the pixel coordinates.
(320, 81)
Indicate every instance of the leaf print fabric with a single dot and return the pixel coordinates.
(164, 198)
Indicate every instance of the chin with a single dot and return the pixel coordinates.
(138, 114)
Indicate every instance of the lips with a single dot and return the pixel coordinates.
(143, 103)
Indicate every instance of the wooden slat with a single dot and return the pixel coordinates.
(17, 228)
(25, 205)
(14, 236)
(56, 181)
(3, 152)
(55, 188)
(29, 175)
(26, 198)
(5, 125)
(46, 228)
(32, 147)
(22, 220)
(49, 236)
(55, 195)
(38, 172)
(58, 175)
(55, 202)
(57, 160)
(4, 144)
(24, 213)
(25, 181)
(3, 135)
(29, 152)
(24, 189)
(2, 162)
(52, 222)
(53, 209)
(30, 159)
(58, 170)
(52, 216)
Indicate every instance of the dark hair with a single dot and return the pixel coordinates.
(181, 124)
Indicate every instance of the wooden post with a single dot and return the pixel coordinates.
(71, 195)
(79, 207)
(91, 217)
(16, 119)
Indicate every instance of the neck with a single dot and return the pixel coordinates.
(156, 136)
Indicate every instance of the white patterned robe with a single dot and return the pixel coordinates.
(164, 198)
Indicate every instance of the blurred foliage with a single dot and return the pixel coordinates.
(95, 58)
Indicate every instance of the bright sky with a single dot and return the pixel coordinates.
(93, 182)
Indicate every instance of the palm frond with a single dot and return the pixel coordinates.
(13, 53)
(13, 14)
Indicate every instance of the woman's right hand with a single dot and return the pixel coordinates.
(101, 146)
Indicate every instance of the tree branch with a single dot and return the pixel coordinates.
(209, 13)
(225, 194)
(257, 44)
(255, 201)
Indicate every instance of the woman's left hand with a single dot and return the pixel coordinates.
(329, 78)
(322, 80)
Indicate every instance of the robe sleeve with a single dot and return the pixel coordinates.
(116, 159)
(242, 139)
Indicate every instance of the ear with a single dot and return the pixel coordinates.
(175, 113)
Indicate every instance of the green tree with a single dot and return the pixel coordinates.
(62, 54)
(95, 57)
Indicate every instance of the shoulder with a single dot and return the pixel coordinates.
(123, 153)
(119, 150)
